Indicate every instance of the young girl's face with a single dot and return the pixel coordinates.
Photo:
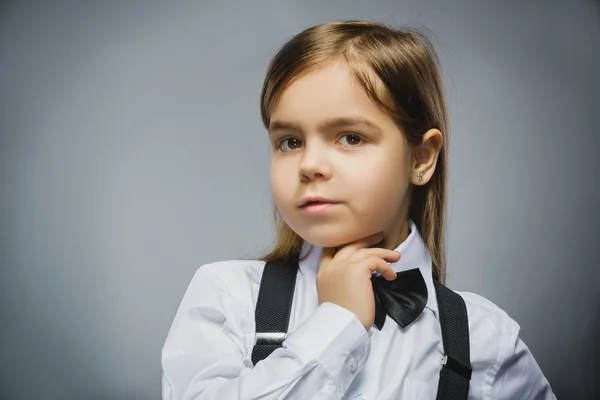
(329, 139)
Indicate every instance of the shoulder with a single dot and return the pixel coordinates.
(482, 310)
(218, 300)
(487, 321)
(234, 276)
(231, 271)
(230, 281)
(492, 332)
(500, 359)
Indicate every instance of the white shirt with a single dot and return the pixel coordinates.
(328, 354)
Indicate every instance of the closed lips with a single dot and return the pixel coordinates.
(308, 202)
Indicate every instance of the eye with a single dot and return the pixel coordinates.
(292, 144)
(352, 139)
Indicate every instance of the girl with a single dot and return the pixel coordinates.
(357, 122)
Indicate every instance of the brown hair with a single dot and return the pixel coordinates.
(399, 70)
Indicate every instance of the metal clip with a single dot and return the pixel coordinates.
(270, 338)
(454, 365)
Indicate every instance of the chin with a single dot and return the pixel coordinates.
(330, 240)
(333, 233)
(326, 242)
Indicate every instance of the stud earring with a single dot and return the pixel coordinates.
(420, 177)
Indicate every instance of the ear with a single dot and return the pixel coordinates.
(425, 156)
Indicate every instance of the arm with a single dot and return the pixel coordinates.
(519, 376)
(206, 356)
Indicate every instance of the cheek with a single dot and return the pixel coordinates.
(379, 186)
(281, 182)
(276, 188)
(381, 175)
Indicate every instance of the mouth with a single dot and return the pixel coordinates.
(312, 201)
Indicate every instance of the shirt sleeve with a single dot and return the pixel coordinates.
(519, 376)
(206, 356)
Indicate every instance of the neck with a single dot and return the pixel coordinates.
(393, 238)
(397, 231)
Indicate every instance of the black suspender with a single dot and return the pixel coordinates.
(274, 306)
(456, 363)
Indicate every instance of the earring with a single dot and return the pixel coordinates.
(420, 177)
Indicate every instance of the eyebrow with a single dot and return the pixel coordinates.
(339, 122)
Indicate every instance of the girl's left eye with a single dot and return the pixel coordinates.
(352, 139)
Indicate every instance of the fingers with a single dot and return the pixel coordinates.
(385, 254)
(379, 265)
(360, 250)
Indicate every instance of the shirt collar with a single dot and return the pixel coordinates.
(413, 254)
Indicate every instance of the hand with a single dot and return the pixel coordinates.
(344, 277)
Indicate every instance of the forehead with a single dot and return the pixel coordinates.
(324, 93)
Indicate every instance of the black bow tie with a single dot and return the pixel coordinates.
(403, 299)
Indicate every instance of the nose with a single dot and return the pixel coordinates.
(315, 164)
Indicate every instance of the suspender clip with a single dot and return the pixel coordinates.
(456, 366)
(270, 338)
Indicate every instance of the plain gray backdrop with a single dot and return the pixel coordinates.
(132, 152)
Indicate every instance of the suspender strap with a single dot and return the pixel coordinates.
(273, 307)
(456, 365)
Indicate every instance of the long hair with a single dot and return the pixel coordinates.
(399, 70)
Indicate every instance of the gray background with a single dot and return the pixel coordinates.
(131, 152)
